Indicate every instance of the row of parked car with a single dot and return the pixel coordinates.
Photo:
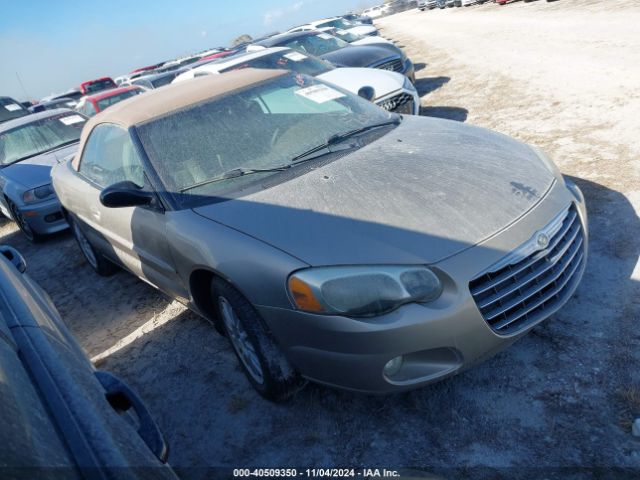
(288, 194)
(348, 54)
(431, 4)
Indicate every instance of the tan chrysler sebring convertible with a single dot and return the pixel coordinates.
(329, 239)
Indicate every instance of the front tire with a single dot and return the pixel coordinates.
(261, 359)
(98, 262)
(23, 224)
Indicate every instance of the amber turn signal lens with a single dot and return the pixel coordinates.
(303, 296)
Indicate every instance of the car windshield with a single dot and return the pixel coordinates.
(163, 80)
(265, 126)
(99, 85)
(61, 103)
(316, 44)
(118, 97)
(286, 60)
(39, 137)
(10, 109)
(347, 36)
(75, 95)
(337, 23)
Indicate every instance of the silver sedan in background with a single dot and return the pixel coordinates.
(329, 239)
(29, 147)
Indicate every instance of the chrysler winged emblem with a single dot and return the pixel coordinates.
(543, 241)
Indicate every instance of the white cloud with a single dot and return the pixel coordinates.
(273, 15)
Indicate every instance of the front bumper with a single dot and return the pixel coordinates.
(436, 340)
(44, 217)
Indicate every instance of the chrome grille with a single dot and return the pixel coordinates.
(519, 294)
(393, 65)
(401, 103)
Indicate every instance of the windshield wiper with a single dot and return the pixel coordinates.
(321, 149)
(235, 173)
(324, 148)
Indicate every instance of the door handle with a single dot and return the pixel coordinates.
(121, 397)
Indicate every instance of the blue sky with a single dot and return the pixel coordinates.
(54, 45)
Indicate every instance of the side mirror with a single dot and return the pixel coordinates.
(15, 257)
(125, 194)
(368, 93)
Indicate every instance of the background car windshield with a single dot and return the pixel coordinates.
(317, 44)
(347, 36)
(164, 80)
(99, 85)
(10, 109)
(39, 137)
(291, 60)
(337, 23)
(261, 127)
(106, 102)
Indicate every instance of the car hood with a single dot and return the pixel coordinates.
(36, 171)
(428, 189)
(353, 79)
(359, 55)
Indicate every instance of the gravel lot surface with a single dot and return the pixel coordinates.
(564, 76)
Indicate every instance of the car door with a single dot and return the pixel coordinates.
(135, 237)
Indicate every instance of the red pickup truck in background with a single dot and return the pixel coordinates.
(97, 85)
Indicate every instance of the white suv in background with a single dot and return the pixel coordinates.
(391, 90)
(376, 11)
(424, 4)
(338, 23)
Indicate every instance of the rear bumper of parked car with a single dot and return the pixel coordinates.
(44, 217)
(435, 340)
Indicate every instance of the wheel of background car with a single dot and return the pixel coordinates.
(98, 262)
(23, 224)
(261, 359)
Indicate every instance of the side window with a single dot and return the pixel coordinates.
(109, 156)
(144, 83)
(89, 109)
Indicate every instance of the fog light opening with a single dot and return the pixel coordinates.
(392, 367)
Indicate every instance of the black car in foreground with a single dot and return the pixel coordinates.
(59, 417)
(10, 109)
(341, 53)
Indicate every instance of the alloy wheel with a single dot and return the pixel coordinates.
(22, 223)
(240, 340)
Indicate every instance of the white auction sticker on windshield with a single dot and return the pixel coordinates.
(12, 107)
(341, 32)
(319, 93)
(295, 56)
(325, 36)
(71, 119)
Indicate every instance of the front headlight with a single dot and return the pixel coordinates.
(37, 194)
(362, 291)
(407, 85)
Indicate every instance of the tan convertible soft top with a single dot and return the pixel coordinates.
(156, 103)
